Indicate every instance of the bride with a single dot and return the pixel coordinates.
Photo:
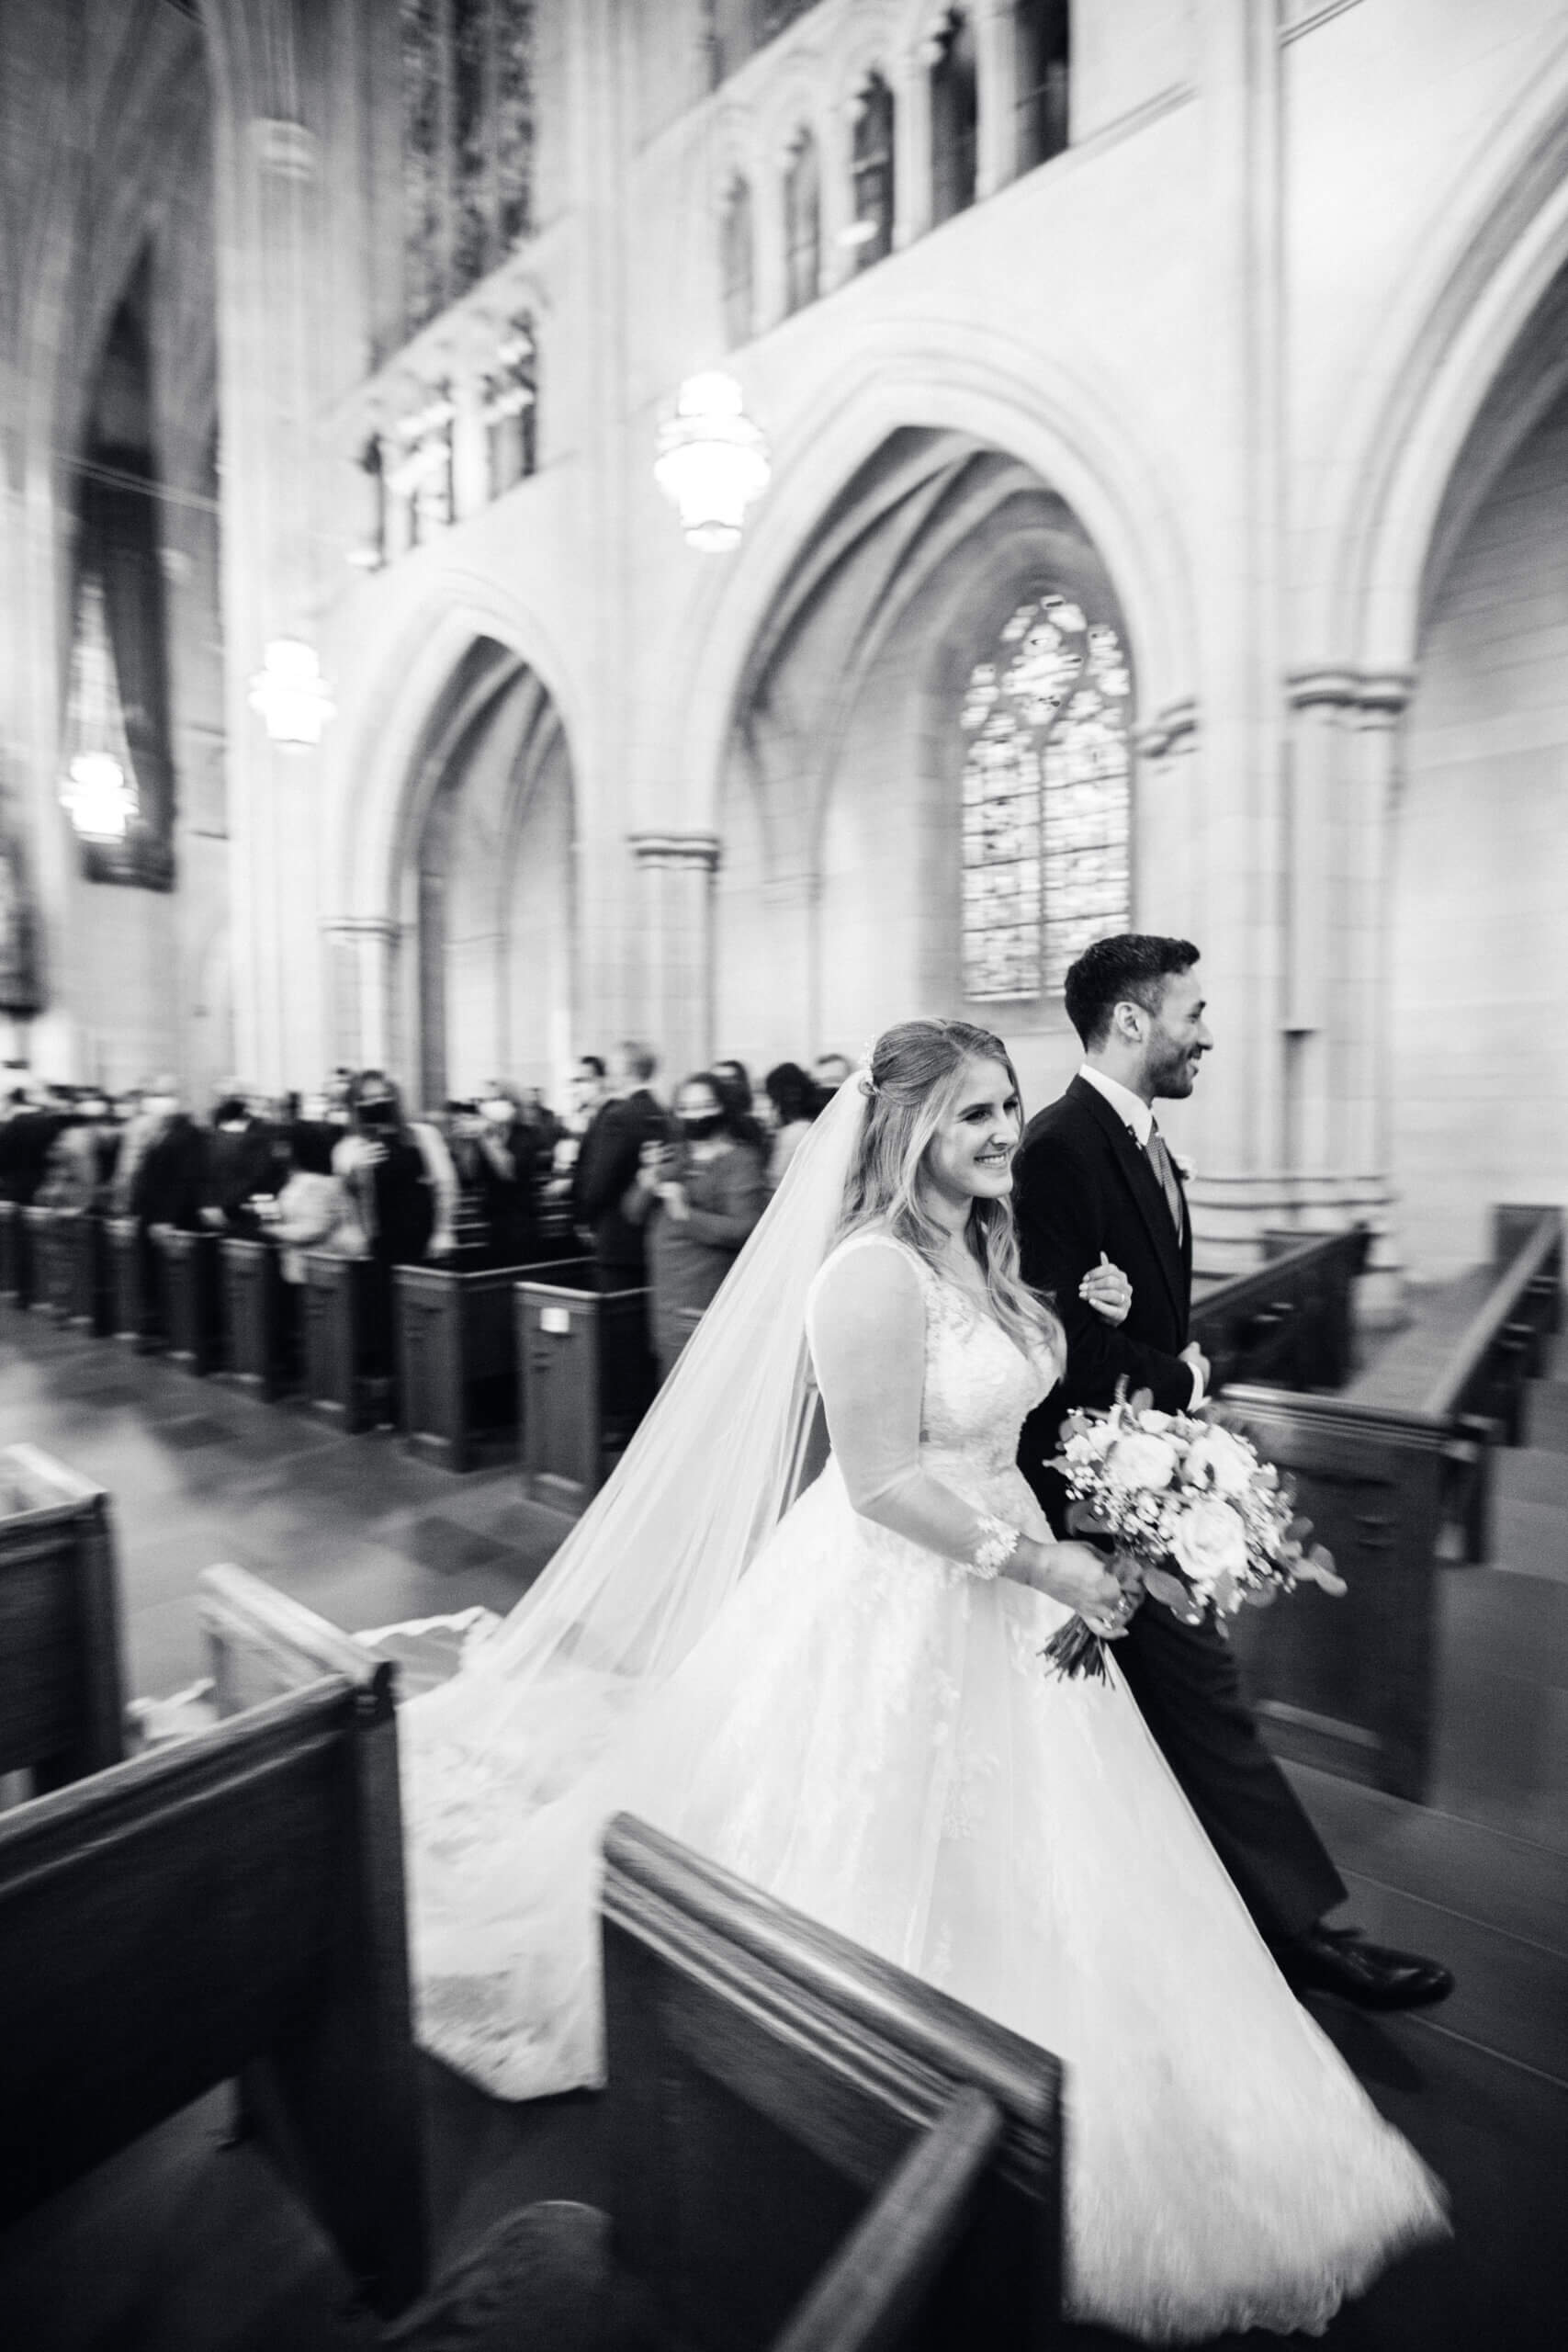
(841, 1697)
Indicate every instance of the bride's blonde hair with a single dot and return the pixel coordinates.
(916, 1075)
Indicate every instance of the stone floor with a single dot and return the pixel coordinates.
(184, 2246)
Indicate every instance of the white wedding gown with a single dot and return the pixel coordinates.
(867, 1731)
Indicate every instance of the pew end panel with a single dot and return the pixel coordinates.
(230, 1906)
(192, 1272)
(587, 1380)
(456, 1342)
(261, 1315)
(61, 1683)
(767, 2081)
(1348, 1683)
(336, 1338)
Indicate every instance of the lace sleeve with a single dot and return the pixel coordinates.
(868, 1336)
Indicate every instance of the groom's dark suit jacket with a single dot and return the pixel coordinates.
(1083, 1184)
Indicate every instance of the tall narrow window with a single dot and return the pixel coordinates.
(736, 269)
(803, 224)
(1043, 33)
(955, 119)
(870, 233)
(1046, 799)
(468, 82)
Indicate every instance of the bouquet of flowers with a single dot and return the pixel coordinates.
(1198, 1520)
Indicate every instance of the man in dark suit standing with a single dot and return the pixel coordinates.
(1094, 1181)
(629, 1120)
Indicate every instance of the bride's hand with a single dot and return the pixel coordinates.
(1106, 1288)
(1077, 1575)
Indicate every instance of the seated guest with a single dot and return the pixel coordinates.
(605, 1179)
(700, 1199)
(734, 1081)
(793, 1098)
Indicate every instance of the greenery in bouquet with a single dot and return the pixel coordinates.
(1199, 1522)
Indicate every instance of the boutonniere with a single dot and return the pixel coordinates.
(1185, 1165)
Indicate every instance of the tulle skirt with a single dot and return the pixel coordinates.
(867, 1733)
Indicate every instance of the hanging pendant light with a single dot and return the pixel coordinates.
(288, 695)
(712, 461)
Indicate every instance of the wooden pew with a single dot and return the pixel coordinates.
(47, 1265)
(61, 1689)
(230, 1906)
(338, 1373)
(456, 1356)
(261, 1318)
(808, 2148)
(193, 1297)
(15, 1257)
(135, 1285)
(586, 1379)
(1289, 1323)
(261, 1644)
(1348, 1683)
(78, 1279)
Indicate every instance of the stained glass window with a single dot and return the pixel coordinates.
(468, 84)
(955, 119)
(870, 233)
(1046, 799)
(736, 262)
(803, 224)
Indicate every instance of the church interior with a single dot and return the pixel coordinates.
(554, 545)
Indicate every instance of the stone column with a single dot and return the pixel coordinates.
(361, 978)
(995, 52)
(271, 340)
(675, 876)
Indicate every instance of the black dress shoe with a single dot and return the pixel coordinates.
(1340, 1960)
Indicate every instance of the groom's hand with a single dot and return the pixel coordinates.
(1193, 1355)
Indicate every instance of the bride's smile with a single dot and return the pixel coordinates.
(970, 1155)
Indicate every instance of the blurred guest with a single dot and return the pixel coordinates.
(26, 1140)
(511, 1154)
(701, 1198)
(605, 1176)
(828, 1072)
(741, 1102)
(541, 1122)
(82, 1162)
(311, 1210)
(793, 1098)
(162, 1172)
(244, 1163)
(403, 1189)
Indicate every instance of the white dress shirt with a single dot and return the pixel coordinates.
(1137, 1116)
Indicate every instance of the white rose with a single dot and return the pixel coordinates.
(1139, 1460)
(1228, 1464)
(1208, 1542)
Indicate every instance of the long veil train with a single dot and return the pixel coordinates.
(503, 1765)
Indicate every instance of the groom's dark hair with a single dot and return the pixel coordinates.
(1135, 964)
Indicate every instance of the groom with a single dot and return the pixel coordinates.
(1093, 1175)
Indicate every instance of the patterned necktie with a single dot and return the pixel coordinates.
(1170, 1184)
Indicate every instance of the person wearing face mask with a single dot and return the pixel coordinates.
(699, 1198)
(402, 1193)
(506, 1176)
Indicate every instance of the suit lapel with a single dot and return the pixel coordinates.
(1148, 1194)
